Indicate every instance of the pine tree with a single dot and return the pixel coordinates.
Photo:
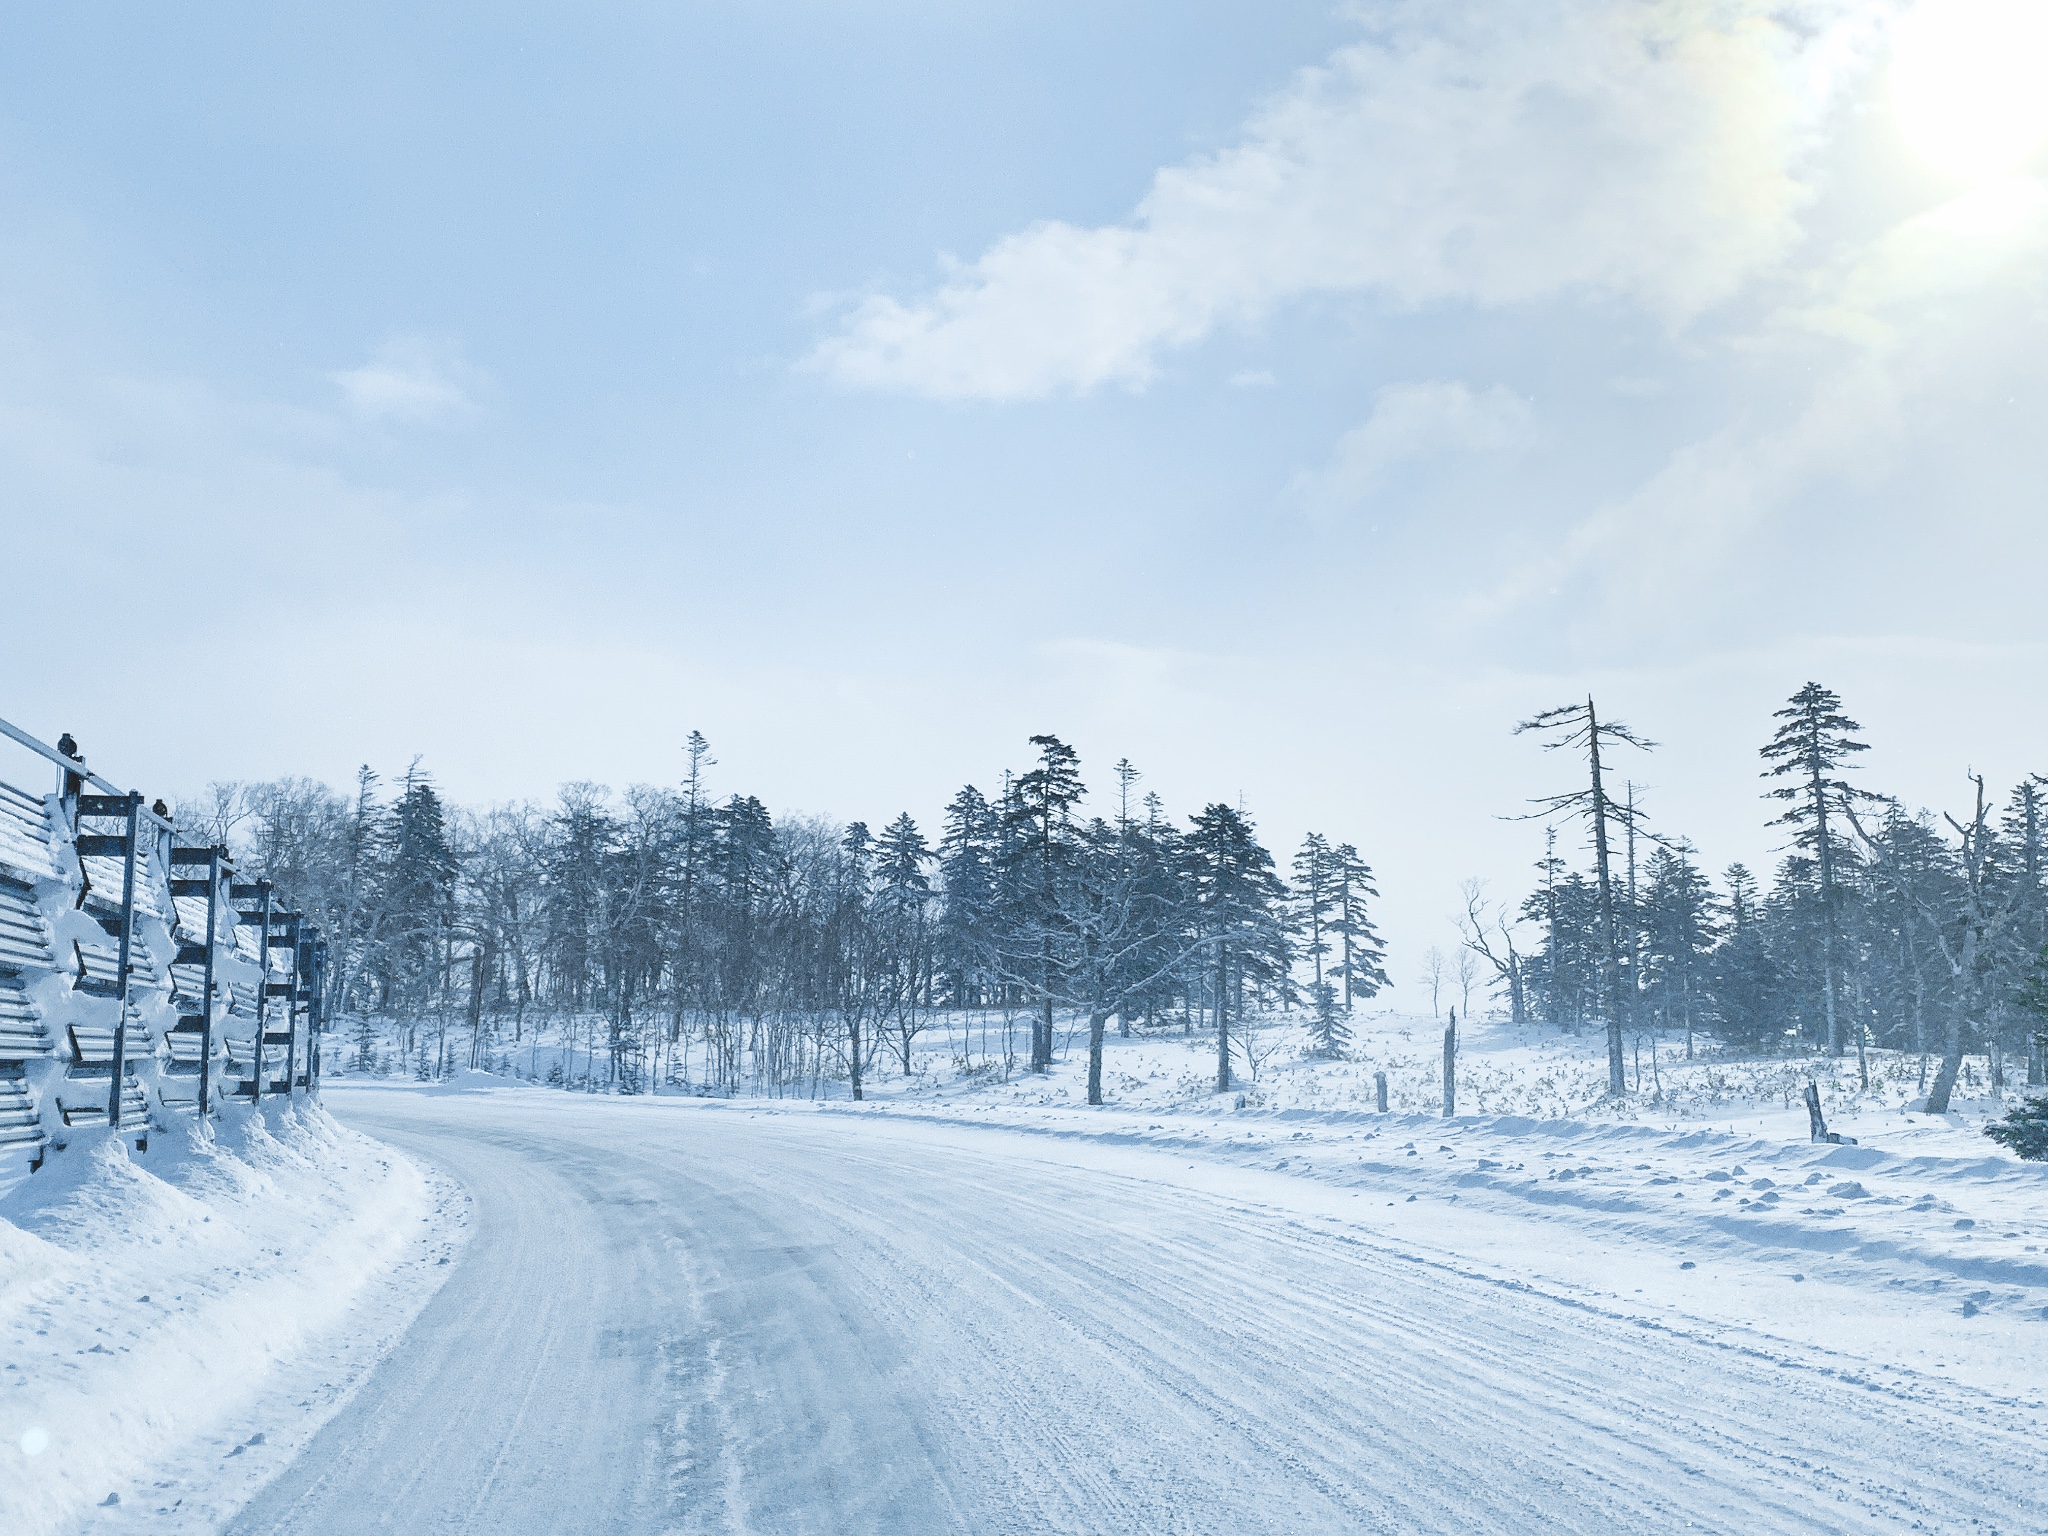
(903, 913)
(1242, 905)
(1578, 727)
(703, 831)
(2031, 1001)
(1810, 749)
(1040, 842)
(1678, 912)
(1743, 980)
(2022, 832)
(901, 854)
(967, 873)
(852, 957)
(419, 888)
(1314, 897)
(366, 1045)
(2024, 1130)
(1330, 1026)
(1362, 951)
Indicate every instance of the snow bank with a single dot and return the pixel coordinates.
(214, 1298)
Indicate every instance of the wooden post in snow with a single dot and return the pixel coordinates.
(1379, 1083)
(1451, 1066)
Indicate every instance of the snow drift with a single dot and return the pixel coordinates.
(176, 1323)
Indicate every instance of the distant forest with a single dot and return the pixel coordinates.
(1881, 926)
(785, 951)
(675, 928)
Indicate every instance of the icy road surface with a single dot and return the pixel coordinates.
(679, 1317)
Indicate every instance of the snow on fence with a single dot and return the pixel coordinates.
(138, 977)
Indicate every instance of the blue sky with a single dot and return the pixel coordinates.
(1285, 396)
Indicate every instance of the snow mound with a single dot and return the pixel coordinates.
(155, 1307)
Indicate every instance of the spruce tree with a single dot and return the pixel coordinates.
(968, 875)
(1041, 843)
(1810, 750)
(2024, 1129)
(1242, 903)
(1678, 913)
(1362, 952)
(1743, 980)
(1314, 897)
(419, 888)
(1330, 1026)
(1578, 727)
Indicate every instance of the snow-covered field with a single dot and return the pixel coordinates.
(1532, 1071)
(176, 1324)
(974, 1303)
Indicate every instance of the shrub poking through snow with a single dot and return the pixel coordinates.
(2024, 1130)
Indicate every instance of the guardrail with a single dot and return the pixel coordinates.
(139, 979)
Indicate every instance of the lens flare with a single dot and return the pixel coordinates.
(1969, 82)
(35, 1441)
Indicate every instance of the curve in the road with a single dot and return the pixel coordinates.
(682, 1319)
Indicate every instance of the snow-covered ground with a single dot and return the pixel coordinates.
(176, 1324)
(1533, 1071)
(690, 1315)
(974, 1303)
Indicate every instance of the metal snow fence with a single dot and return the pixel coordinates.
(129, 971)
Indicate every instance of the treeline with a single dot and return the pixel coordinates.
(695, 938)
(1880, 927)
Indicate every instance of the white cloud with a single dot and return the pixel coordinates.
(1490, 154)
(1889, 382)
(415, 382)
(1409, 421)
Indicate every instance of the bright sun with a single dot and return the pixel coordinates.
(1970, 84)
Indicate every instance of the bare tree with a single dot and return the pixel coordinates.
(1505, 960)
(1435, 971)
(1466, 969)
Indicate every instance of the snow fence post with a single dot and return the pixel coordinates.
(126, 962)
(262, 990)
(214, 864)
(1379, 1083)
(1451, 1066)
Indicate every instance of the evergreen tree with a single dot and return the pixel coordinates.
(1362, 953)
(2022, 832)
(2024, 1130)
(968, 852)
(1578, 727)
(366, 1045)
(1330, 1026)
(419, 889)
(1743, 981)
(852, 957)
(901, 854)
(1678, 915)
(1243, 912)
(903, 902)
(1153, 849)
(1040, 848)
(1810, 749)
(584, 841)
(1314, 898)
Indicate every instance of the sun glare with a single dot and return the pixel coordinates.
(1969, 82)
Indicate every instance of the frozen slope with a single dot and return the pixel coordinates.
(721, 1318)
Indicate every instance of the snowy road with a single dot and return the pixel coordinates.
(697, 1318)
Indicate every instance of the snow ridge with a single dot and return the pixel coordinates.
(176, 1324)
